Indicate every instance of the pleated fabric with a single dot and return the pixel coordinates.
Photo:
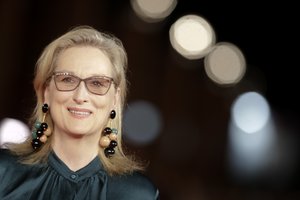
(55, 181)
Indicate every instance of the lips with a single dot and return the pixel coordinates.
(80, 112)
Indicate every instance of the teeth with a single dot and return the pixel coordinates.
(79, 112)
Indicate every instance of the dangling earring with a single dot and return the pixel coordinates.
(108, 140)
(40, 131)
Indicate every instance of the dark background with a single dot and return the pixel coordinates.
(188, 159)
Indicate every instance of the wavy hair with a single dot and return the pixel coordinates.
(113, 48)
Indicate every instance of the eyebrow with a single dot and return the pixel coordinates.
(72, 73)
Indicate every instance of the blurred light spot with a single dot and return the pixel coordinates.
(153, 10)
(12, 130)
(225, 64)
(269, 156)
(192, 36)
(142, 122)
(250, 112)
(250, 154)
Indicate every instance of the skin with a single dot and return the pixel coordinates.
(80, 116)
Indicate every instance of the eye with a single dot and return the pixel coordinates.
(66, 79)
(98, 82)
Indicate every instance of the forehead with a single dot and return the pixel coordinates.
(84, 61)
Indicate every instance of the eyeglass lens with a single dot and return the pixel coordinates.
(68, 82)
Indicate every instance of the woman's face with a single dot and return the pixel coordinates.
(80, 112)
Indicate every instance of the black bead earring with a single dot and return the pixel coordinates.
(40, 131)
(109, 139)
(112, 114)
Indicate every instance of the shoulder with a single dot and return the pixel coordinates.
(7, 157)
(7, 161)
(132, 186)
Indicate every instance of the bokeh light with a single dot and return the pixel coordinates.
(250, 154)
(250, 112)
(225, 64)
(12, 131)
(192, 36)
(153, 10)
(142, 122)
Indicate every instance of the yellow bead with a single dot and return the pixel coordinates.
(43, 138)
(104, 141)
(113, 136)
(47, 132)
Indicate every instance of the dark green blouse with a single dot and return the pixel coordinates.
(56, 181)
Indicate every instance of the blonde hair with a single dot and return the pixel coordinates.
(45, 66)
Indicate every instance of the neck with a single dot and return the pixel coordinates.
(75, 152)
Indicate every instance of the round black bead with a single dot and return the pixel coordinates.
(109, 151)
(113, 144)
(44, 126)
(112, 114)
(39, 132)
(107, 131)
(36, 143)
(45, 108)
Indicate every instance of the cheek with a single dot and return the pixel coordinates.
(57, 101)
(106, 101)
(52, 95)
(101, 103)
(57, 97)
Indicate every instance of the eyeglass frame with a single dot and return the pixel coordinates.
(111, 81)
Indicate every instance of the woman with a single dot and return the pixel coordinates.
(75, 151)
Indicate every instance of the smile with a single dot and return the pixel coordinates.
(79, 112)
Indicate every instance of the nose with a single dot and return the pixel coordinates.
(81, 93)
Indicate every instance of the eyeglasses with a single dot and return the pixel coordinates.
(65, 81)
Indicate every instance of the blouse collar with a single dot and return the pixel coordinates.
(94, 167)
